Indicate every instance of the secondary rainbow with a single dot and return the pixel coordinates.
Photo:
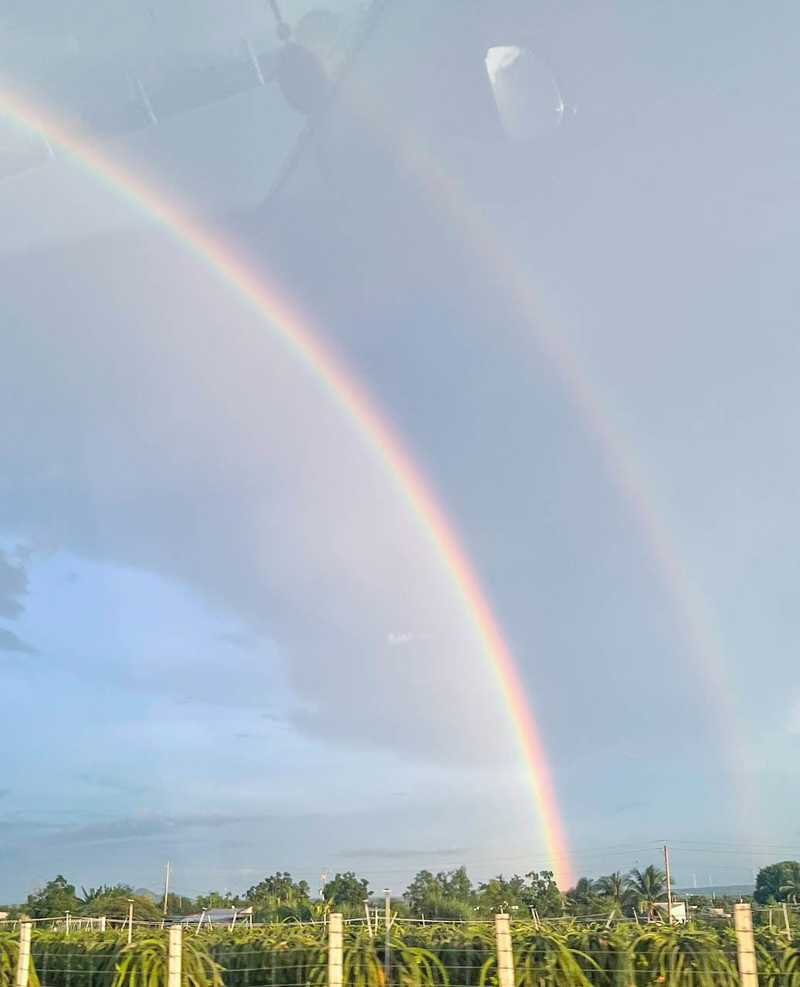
(295, 332)
(457, 207)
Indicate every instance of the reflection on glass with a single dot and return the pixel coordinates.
(525, 92)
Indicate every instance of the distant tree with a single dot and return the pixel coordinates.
(55, 898)
(279, 887)
(541, 892)
(280, 897)
(456, 883)
(649, 886)
(583, 898)
(448, 894)
(115, 903)
(89, 897)
(346, 889)
(615, 889)
(503, 894)
(217, 899)
(423, 887)
(179, 905)
(772, 879)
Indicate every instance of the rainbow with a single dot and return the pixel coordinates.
(475, 231)
(308, 347)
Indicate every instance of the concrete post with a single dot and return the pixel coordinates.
(24, 957)
(335, 950)
(745, 945)
(505, 951)
(174, 956)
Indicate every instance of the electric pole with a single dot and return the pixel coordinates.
(166, 889)
(387, 951)
(669, 884)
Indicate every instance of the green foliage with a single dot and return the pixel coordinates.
(144, 964)
(347, 889)
(279, 897)
(649, 886)
(55, 898)
(9, 952)
(115, 903)
(778, 882)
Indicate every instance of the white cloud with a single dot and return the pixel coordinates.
(405, 637)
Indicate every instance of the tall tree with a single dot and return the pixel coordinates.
(649, 886)
(772, 879)
(55, 898)
(614, 886)
(346, 889)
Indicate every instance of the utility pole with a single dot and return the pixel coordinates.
(387, 950)
(166, 889)
(669, 884)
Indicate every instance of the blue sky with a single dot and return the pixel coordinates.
(224, 639)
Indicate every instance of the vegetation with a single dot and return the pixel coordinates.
(441, 954)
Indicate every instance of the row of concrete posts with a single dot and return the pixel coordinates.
(743, 921)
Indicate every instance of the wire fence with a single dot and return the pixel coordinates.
(406, 954)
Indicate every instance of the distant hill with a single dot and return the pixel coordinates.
(729, 890)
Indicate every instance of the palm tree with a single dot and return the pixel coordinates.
(791, 890)
(649, 885)
(614, 886)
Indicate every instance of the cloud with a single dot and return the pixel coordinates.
(293, 551)
(9, 641)
(130, 829)
(116, 783)
(406, 637)
(13, 584)
(393, 853)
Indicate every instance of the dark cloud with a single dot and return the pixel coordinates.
(9, 641)
(13, 585)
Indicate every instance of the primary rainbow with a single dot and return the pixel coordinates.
(308, 347)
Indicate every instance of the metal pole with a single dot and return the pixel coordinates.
(24, 956)
(166, 890)
(174, 955)
(335, 937)
(745, 945)
(505, 954)
(669, 884)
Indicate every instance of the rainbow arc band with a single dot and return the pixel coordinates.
(295, 332)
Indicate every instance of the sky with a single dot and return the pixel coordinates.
(225, 639)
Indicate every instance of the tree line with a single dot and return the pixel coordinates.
(446, 895)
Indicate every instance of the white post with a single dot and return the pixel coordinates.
(130, 921)
(335, 957)
(24, 957)
(66, 924)
(786, 920)
(174, 956)
(745, 945)
(505, 953)
(102, 920)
